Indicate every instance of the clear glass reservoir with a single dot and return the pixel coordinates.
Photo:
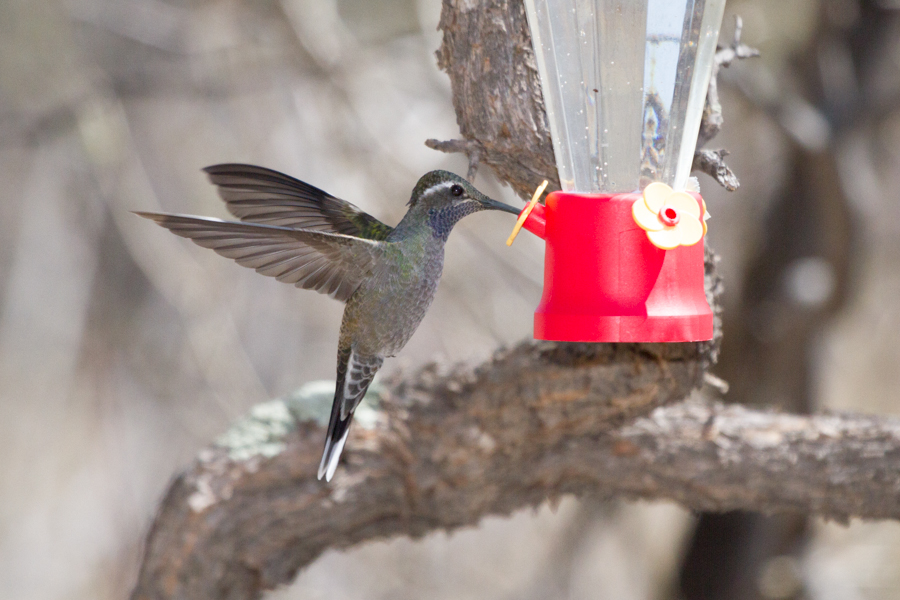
(624, 85)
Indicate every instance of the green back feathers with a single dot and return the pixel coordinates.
(367, 226)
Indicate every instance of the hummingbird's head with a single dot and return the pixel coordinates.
(443, 198)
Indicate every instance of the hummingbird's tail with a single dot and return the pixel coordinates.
(334, 442)
(354, 374)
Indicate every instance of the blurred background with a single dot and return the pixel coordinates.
(124, 350)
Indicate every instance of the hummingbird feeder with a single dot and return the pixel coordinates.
(624, 85)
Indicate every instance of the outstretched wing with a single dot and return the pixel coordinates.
(328, 263)
(259, 195)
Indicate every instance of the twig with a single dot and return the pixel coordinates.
(711, 161)
(470, 148)
(713, 164)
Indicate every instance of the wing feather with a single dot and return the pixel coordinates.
(328, 263)
(258, 195)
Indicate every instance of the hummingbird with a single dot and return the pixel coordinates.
(300, 234)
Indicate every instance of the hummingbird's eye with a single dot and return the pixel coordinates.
(456, 189)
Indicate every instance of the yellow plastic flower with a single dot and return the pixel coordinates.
(671, 219)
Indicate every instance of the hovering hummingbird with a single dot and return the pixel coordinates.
(300, 234)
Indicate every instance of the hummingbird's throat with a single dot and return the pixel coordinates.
(442, 220)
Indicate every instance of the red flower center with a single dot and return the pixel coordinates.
(669, 216)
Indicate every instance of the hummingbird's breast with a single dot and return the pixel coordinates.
(386, 310)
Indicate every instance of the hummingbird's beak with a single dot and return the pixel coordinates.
(490, 204)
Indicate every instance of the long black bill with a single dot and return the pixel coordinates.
(491, 204)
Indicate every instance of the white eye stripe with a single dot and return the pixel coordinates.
(440, 186)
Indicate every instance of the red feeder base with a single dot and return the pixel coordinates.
(605, 282)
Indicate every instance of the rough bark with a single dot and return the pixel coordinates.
(488, 56)
(536, 422)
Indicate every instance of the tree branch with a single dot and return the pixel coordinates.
(471, 148)
(712, 112)
(585, 419)
(712, 162)
(487, 54)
